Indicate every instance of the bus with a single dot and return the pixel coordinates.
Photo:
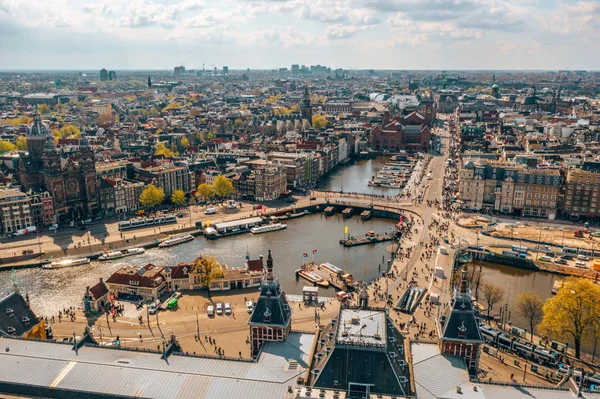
(520, 248)
(172, 304)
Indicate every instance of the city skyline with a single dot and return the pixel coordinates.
(349, 34)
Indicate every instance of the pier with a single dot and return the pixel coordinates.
(365, 215)
(329, 211)
(335, 281)
(368, 239)
(347, 213)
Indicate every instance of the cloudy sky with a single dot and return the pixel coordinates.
(379, 34)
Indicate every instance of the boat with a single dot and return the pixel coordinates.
(59, 264)
(169, 242)
(313, 277)
(268, 228)
(121, 254)
(558, 284)
(333, 269)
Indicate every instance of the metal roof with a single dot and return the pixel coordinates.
(235, 223)
(142, 374)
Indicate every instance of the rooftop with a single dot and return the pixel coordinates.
(361, 326)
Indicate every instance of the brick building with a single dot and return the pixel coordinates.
(409, 133)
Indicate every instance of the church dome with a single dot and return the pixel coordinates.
(495, 86)
(38, 129)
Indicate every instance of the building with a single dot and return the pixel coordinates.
(402, 133)
(103, 75)
(15, 211)
(71, 181)
(132, 283)
(306, 107)
(225, 70)
(17, 319)
(41, 98)
(168, 176)
(112, 75)
(458, 328)
(178, 71)
(509, 188)
(270, 182)
(271, 319)
(120, 195)
(42, 209)
(581, 192)
(96, 298)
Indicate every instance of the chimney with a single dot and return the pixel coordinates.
(386, 117)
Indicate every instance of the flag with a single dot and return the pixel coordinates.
(314, 251)
(400, 218)
(305, 255)
(346, 230)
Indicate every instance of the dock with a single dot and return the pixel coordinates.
(329, 211)
(365, 215)
(372, 239)
(347, 213)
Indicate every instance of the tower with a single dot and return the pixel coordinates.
(306, 108)
(36, 138)
(53, 179)
(149, 83)
(87, 166)
(271, 319)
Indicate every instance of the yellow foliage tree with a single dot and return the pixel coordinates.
(243, 108)
(6, 146)
(152, 196)
(257, 92)
(295, 108)
(184, 143)
(238, 124)
(172, 105)
(161, 149)
(21, 143)
(319, 121)
(222, 186)
(271, 100)
(69, 132)
(208, 270)
(178, 197)
(43, 108)
(205, 191)
(573, 312)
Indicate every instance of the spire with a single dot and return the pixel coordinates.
(269, 267)
(463, 281)
(149, 82)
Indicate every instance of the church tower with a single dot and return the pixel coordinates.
(36, 139)
(271, 319)
(53, 179)
(306, 107)
(87, 166)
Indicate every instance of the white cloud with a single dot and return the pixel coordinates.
(338, 31)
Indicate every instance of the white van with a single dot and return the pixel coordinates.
(580, 264)
(219, 308)
(210, 211)
(210, 311)
(443, 251)
(249, 306)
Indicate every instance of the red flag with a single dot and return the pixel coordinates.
(305, 255)
(400, 218)
(314, 251)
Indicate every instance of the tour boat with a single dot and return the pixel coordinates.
(169, 242)
(121, 254)
(59, 264)
(268, 228)
(331, 268)
(313, 277)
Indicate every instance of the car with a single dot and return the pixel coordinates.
(83, 227)
(580, 264)
(210, 310)
(313, 198)
(227, 308)
(249, 306)
(152, 309)
(210, 211)
(582, 257)
(544, 258)
(88, 220)
(560, 261)
(54, 227)
(219, 308)
(180, 215)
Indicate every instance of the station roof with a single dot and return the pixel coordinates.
(361, 327)
(226, 225)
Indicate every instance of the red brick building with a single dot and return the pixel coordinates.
(403, 132)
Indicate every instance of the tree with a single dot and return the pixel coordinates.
(492, 294)
(529, 305)
(319, 121)
(68, 132)
(152, 196)
(243, 108)
(172, 105)
(572, 312)
(153, 111)
(222, 186)
(208, 270)
(205, 191)
(6, 146)
(161, 149)
(178, 197)
(238, 124)
(257, 92)
(43, 108)
(21, 143)
(184, 143)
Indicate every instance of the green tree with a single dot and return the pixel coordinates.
(223, 186)
(319, 121)
(529, 305)
(152, 196)
(6, 146)
(205, 191)
(21, 143)
(572, 312)
(492, 294)
(161, 149)
(178, 197)
(43, 108)
(153, 111)
(208, 270)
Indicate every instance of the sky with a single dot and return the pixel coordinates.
(263, 34)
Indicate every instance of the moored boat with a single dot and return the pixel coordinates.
(121, 254)
(313, 277)
(333, 269)
(169, 242)
(59, 264)
(268, 228)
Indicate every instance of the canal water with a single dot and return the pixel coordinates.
(354, 177)
(52, 290)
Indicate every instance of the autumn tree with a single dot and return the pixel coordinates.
(243, 108)
(67, 132)
(529, 305)
(184, 143)
(43, 108)
(319, 121)
(572, 312)
(152, 111)
(172, 105)
(257, 92)
(492, 294)
(152, 196)
(223, 186)
(238, 124)
(208, 270)
(161, 149)
(178, 197)
(205, 191)
(6, 146)
(21, 143)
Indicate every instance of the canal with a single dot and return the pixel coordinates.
(53, 290)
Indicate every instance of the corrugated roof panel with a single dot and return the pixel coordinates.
(13, 368)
